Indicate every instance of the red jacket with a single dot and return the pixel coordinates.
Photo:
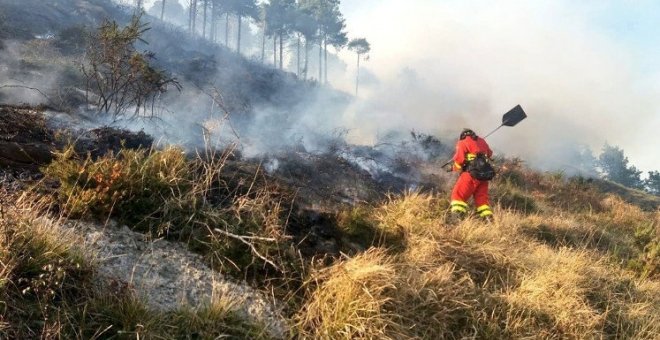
(467, 149)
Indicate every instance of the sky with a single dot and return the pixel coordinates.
(587, 72)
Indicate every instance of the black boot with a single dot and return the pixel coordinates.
(454, 218)
(488, 218)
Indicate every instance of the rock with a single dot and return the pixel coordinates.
(167, 276)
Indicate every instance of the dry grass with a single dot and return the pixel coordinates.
(49, 289)
(524, 276)
(569, 268)
(349, 298)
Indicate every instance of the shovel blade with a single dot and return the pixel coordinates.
(513, 117)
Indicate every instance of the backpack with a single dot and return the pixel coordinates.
(480, 168)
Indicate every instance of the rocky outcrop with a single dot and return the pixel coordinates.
(166, 276)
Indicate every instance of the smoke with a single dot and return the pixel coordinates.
(23, 77)
(435, 67)
(453, 64)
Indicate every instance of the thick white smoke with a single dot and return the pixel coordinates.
(581, 81)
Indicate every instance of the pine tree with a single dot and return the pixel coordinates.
(652, 183)
(361, 47)
(614, 166)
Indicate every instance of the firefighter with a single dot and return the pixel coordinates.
(472, 160)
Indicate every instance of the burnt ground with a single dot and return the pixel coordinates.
(317, 185)
(25, 141)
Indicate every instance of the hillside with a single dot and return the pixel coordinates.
(43, 44)
(163, 227)
(562, 259)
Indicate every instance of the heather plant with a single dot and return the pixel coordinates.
(237, 225)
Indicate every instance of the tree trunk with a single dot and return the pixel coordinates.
(263, 43)
(214, 26)
(206, 5)
(238, 39)
(227, 30)
(194, 17)
(357, 77)
(298, 58)
(306, 59)
(325, 53)
(162, 11)
(274, 51)
(190, 9)
(320, 61)
(281, 50)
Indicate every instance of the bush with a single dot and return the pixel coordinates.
(162, 193)
(348, 301)
(49, 290)
(123, 78)
(42, 271)
(135, 186)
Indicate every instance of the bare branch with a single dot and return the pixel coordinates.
(248, 241)
(50, 102)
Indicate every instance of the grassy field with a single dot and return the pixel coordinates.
(563, 259)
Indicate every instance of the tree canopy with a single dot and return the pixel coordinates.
(614, 166)
(359, 46)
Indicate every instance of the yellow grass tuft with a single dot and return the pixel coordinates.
(348, 299)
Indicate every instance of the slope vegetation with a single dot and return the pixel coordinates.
(562, 259)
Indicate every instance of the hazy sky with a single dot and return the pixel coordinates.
(585, 69)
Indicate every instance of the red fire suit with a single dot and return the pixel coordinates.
(466, 186)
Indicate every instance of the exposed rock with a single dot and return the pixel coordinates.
(167, 276)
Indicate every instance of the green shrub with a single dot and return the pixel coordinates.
(647, 261)
(162, 193)
(135, 186)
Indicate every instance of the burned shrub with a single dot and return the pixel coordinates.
(122, 78)
(25, 140)
(110, 140)
(430, 145)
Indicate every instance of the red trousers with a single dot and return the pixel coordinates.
(466, 186)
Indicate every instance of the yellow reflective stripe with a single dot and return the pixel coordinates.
(486, 213)
(459, 203)
(458, 208)
(470, 156)
(483, 207)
